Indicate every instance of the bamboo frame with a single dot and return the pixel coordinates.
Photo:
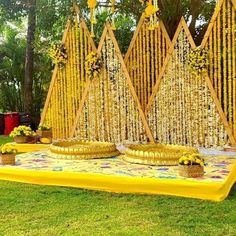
(108, 31)
(183, 26)
(223, 58)
(54, 77)
(151, 46)
(71, 75)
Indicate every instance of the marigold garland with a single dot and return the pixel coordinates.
(58, 54)
(198, 61)
(151, 13)
(92, 5)
(93, 65)
(183, 111)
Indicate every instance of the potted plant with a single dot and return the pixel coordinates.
(191, 165)
(22, 134)
(7, 155)
(44, 131)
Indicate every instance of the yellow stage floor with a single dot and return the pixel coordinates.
(26, 147)
(116, 175)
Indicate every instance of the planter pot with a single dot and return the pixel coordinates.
(21, 139)
(193, 171)
(230, 149)
(44, 133)
(7, 159)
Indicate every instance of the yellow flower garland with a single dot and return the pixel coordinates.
(198, 61)
(58, 54)
(93, 65)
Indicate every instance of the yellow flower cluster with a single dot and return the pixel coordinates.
(58, 54)
(22, 130)
(150, 10)
(44, 127)
(7, 149)
(93, 65)
(198, 61)
(92, 3)
(191, 159)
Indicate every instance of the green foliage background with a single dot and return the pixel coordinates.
(50, 22)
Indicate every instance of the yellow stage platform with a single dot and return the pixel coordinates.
(116, 175)
(26, 147)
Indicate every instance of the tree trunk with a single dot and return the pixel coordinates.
(172, 10)
(29, 58)
(195, 11)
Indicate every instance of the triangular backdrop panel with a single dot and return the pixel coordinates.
(144, 58)
(68, 83)
(220, 40)
(181, 109)
(111, 110)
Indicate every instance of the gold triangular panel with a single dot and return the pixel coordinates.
(145, 57)
(68, 83)
(183, 111)
(220, 41)
(112, 111)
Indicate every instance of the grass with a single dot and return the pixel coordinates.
(41, 210)
(5, 139)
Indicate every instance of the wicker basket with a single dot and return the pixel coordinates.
(21, 139)
(193, 171)
(8, 159)
(44, 133)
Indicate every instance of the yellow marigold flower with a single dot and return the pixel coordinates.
(186, 162)
(150, 10)
(201, 163)
(198, 161)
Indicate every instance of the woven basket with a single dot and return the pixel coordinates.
(193, 171)
(44, 133)
(21, 139)
(8, 159)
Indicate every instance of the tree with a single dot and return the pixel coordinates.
(29, 58)
(12, 53)
(51, 17)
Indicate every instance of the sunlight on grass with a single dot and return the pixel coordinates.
(42, 210)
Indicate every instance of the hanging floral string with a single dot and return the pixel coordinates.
(151, 13)
(93, 65)
(92, 5)
(58, 54)
(198, 61)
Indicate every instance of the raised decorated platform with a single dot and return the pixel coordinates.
(27, 147)
(116, 175)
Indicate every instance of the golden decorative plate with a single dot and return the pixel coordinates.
(82, 150)
(156, 154)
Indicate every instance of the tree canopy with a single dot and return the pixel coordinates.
(23, 37)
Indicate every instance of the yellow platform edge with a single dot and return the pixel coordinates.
(27, 147)
(122, 184)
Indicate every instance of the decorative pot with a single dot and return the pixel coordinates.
(230, 149)
(44, 133)
(193, 171)
(21, 139)
(7, 159)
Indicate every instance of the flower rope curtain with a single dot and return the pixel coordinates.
(68, 83)
(220, 41)
(145, 56)
(111, 110)
(182, 109)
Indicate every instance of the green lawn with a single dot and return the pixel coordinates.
(5, 139)
(39, 210)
